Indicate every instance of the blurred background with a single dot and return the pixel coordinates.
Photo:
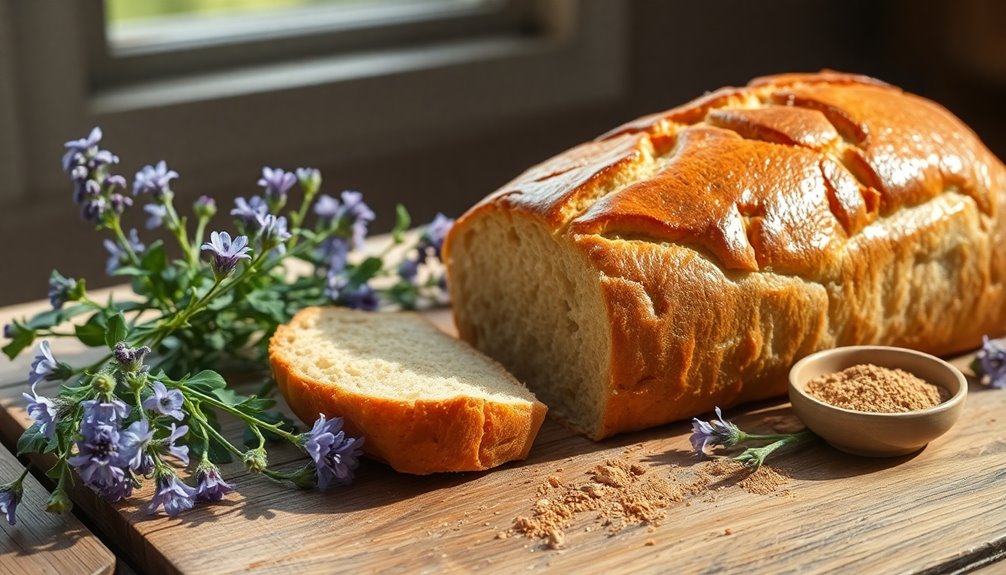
(431, 103)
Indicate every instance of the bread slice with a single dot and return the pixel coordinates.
(424, 401)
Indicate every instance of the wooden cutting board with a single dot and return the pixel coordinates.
(941, 509)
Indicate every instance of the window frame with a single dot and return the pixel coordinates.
(346, 104)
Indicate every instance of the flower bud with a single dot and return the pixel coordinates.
(104, 382)
(205, 207)
(309, 179)
(59, 502)
(255, 460)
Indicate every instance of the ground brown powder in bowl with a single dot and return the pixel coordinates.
(876, 389)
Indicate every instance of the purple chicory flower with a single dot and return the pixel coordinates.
(9, 330)
(273, 231)
(249, 211)
(133, 444)
(991, 359)
(335, 455)
(117, 256)
(154, 180)
(93, 210)
(42, 411)
(172, 493)
(81, 147)
(432, 240)
(118, 202)
(714, 432)
(408, 270)
(327, 208)
(334, 253)
(344, 292)
(155, 215)
(44, 366)
(98, 461)
(180, 452)
(226, 253)
(351, 212)
(61, 289)
(210, 487)
(130, 358)
(276, 183)
(111, 413)
(10, 496)
(165, 401)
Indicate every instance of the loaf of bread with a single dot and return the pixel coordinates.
(687, 259)
(424, 401)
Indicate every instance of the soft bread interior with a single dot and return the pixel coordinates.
(395, 356)
(540, 312)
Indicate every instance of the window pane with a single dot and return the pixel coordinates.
(141, 24)
(123, 11)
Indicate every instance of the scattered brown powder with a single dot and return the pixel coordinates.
(784, 423)
(876, 389)
(622, 494)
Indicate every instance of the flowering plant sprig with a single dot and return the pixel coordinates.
(149, 407)
(724, 433)
(990, 363)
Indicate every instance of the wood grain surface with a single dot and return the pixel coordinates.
(940, 510)
(43, 543)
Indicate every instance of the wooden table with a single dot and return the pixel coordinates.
(44, 543)
(940, 510)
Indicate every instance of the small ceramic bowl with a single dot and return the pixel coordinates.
(877, 434)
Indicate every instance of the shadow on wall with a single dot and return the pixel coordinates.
(678, 50)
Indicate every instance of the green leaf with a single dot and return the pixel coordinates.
(367, 269)
(221, 302)
(228, 396)
(92, 332)
(131, 271)
(268, 304)
(402, 223)
(116, 331)
(23, 337)
(32, 440)
(53, 317)
(254, 405)
(206, 381)
(154, 260)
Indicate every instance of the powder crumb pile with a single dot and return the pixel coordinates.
(876, 389)
(620, 494)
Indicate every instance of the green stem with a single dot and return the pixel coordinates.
(251, 421)
(754, 457)
(116, 227)
(297, 217)
(16, 484)
(769, 437)
(54, 333)
(207, 430)
(200, 232)
(177, 227)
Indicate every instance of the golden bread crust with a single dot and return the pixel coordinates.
(741, 231)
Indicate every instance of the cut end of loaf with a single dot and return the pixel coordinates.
(539, 312)
(424, 401)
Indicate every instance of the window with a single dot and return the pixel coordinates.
(289, 82)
